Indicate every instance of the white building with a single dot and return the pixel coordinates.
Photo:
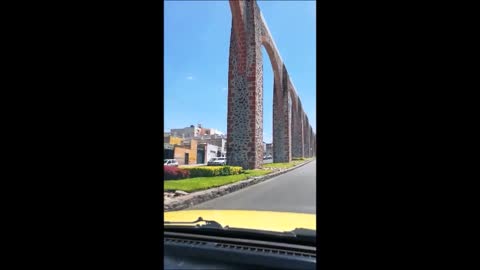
(215, 132)
(192, 131)
(212, 151)
(186, 133)
(206, 151)
(217, 140)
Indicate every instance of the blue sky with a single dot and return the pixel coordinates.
(196, 42)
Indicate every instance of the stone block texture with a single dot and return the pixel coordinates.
(291, 133)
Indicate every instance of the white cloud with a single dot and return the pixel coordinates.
(189, 78)
(224, 88)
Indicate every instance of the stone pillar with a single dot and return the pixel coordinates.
(305, 143)
(311, 141)
(307, 137)
(303, 131)
(282, 121)
(245, 91)
(297, 138)
(245, 101)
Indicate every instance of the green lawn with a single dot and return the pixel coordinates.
(283, 165)
(201, 183)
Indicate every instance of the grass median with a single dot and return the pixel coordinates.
(284, 165)
(201, 183)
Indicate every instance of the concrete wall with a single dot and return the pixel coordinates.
(179, 154)
(172, 140)
(188, 146)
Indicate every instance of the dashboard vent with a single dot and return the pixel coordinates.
(266, 250)
(184, 241)
(242, 247)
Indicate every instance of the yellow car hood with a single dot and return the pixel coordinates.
(258, 220)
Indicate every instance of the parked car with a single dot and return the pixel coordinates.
(170, 162)
(218, 161)
(267, 157)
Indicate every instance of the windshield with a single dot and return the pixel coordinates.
(241, 160)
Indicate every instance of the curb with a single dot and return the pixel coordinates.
(198, 197)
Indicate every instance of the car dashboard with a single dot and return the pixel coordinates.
(192, 251)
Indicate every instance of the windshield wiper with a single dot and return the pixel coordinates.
(208, 223)
(303, 232)
(298, 233)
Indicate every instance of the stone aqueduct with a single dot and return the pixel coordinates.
(292, 134)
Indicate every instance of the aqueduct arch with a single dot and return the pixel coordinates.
(292, 135)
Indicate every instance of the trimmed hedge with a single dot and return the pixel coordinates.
(214, 171)
(173, 173)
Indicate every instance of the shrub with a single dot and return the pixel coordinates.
(172, 173)
(214, 171)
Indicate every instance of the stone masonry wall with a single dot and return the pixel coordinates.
(297, 132)
(245, 94)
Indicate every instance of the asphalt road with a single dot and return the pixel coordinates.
(290, 192)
